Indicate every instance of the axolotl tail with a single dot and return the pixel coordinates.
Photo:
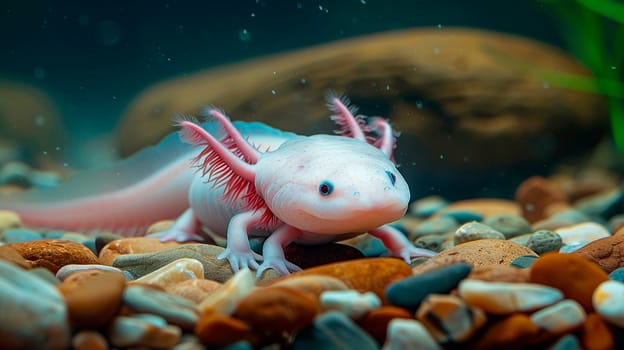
(151, 185)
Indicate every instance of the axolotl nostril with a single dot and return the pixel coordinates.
(249, 180)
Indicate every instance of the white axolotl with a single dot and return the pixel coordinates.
(250, 180)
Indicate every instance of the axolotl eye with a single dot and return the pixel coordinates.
(325, 188)
(392, 177)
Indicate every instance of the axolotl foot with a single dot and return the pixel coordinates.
(409, 252)
(282, 266)
(240, 260)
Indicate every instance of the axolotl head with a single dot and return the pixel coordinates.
(331, 185)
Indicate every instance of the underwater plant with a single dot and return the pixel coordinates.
(594, 33)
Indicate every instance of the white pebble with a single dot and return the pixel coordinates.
(582, 233)
(408, 334)
(561, 317)
(350, 302)
(608, 300)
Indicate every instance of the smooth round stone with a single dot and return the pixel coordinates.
(604, 204)
(70, 269)
(20, 235)
(315, 284)
(224, 299)
(333, 330)
(127, 332)
(509, 225)
(570, 215)
(449, 319)
(544, 241)
(582, 233)
(350, 302)
(132, 245)
(54, 254)
(435, 225)
(561, 317)
(277, 310)
(92, 297)
(575, 276)
(411, 291)
(432, 242)
(9, 220)
(608, 300)
(409, 334)
(617, 275)
(34, 315)
(174, 309)
(567, 342)
(176, 271)
(505, 298)
(376, 321)
(524, 261)
(473, 231)
(195, 290)
(217, 331)
(427, 206)
(514, 331)
(462, 216)
(89, 340)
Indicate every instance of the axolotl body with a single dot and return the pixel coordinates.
(252, 181)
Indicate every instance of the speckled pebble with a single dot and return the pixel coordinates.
(350, 302)
(427, 206)
(435, 225)
(411, 291)
(449, 319)
(149, 331)
(176, 310)
(506, 298)
(562, 317)
(54, 254)
(9, 220)
(524, 261)
(509, 225)
(433, 242)
(70, 269)
(333, 330)
(583, 233)
(608, 253)
(544, 241)
(473, 231)
(20, 235)
(176, 271)
(608, 300)
(42, 321)
(224, 299)
(409, 334)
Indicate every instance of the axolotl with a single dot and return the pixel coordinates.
(249, 180)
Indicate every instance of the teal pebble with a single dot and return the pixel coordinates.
(508, 224)
(241, 345)
(463, 216)
(570, 215)
(411, 291)
(53, 235)
(374, 248)
(567, 342)
(569, 248)
(544, 241)
(603, 204)
(524, 261)
(438, 225)
(617, 274)
(333, 330)
(20, 235)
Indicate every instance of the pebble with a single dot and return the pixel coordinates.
(595, 334)
(608, 300)
(306, 256)
(462, 215)
(315, 284)
(409, 334)
(484, 207)
(224, 299)
(604, 204)
(524, 261)
(512, 332)
(473, 231)
(277, 310)
(42, 321)
(617, 274)
(93, 297)
(376, 321)
(350, 302)
(435, 226)
(131, 245)
(562, 317)
(9, 220)
(575, 276)
(544, 241)
(70, 269)
(608, 253)
(433, 242)
(333, 330)
(176, 271)
(535, 195)
(54, 254)
(89, 340)
(449, 319)
(510, 225)
(500, 273)
(583, 233)
(217, 331)
(369, 246)
(356, 274)
(411, 291)
(17, 235)
(174, 309)
(567, 342)
(159, 226)
(195, 290)
(11, 255)
(148, 331)
(505, 298)
(427, 206)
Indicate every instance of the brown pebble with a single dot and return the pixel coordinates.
(574, 275)
(500, 273)
(306, 256)
(535, 194)
(92, 297)
(89, 340)
(315, 284)
(132, 245)
(511, 333)
(376, 321)
(595, 334)
(358, 274)
(54, 253)
(607, 252)
(11, 255)
(217, 330)
(277, 310)
(194, 290)
(481, 252)
(484, 206)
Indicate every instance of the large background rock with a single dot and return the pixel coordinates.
(471, 105)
